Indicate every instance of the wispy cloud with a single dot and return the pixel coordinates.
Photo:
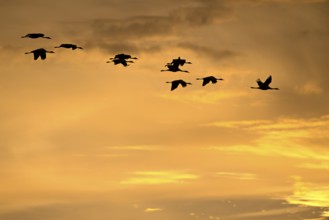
(277, 125)
(283, 137)
(135, 148)
(159, 177)
(205, 97)
(269, 213)
(153, 209)
(284, 148)
(239, 176)
(239, 124)
(318, 166)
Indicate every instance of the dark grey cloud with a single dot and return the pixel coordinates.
(134, 31)
(247, 208)
(218, 54)
(197, 14)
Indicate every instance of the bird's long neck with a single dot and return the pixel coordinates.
(255, 87)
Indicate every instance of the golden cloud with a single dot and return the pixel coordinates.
(205, 97)
(283, 137)
(239, 176)
(318, 166)
(158, 177)
(153, 209)
(308, 194)
(135, 148)
(274, 125)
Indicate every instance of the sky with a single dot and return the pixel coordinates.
(85, 139)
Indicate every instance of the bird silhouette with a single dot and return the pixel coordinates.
(39, 53)
(179, 62)
(120, 61)
(176, 83)
(35, 35)
(174, 68)
(123, 56)
(69, 46)
(209, 79)
(264, 85)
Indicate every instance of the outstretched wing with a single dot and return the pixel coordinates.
(183, 83)
(213, 79)
(174, 85)
(259, 82)
(43, 55)
(268, 81)
(123, 62)
(36, 55)
(205, 81)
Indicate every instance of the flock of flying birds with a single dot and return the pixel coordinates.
(124, 59)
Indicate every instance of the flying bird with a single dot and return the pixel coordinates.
(69, 46)
(176, 83)
(120, 61)
(35, 35)
(39, 53)
(264, 85)
(174, 68)
(123, 56)
(209, 79)
(179, 62)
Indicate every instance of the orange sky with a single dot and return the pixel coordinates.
(84, 139)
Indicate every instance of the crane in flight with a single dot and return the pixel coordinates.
(209, 79)
(264, 85)
(41, 52)
(35, 35)
(69, 46)
(176, 83)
